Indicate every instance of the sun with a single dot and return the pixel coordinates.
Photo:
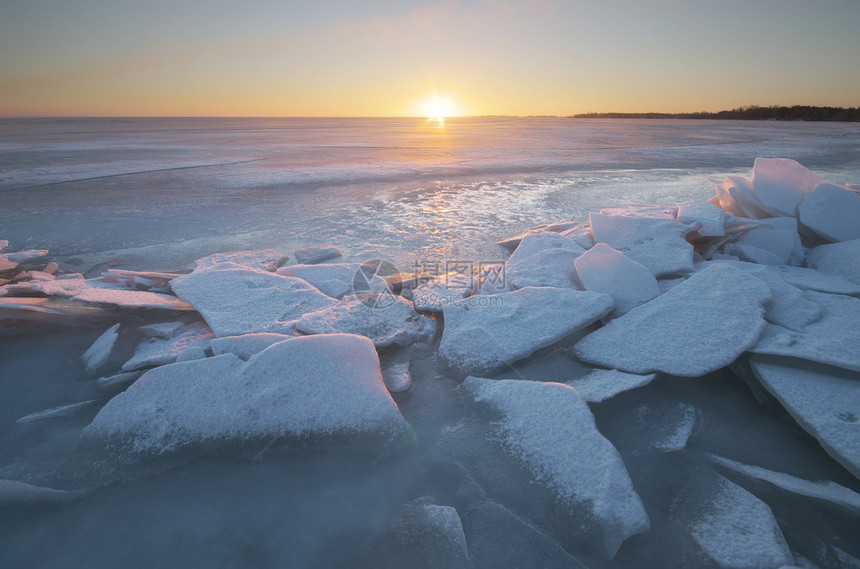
(438, 109)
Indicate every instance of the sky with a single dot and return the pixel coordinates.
(392, 57)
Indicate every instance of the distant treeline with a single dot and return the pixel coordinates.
(754, 113)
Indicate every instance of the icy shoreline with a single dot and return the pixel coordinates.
(761, 276)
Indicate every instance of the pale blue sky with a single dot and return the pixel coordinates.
(381, 57)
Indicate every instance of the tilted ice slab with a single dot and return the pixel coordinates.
(161, 329)
(310, 255)
(824, 490)
(486, 332)
(659, 244)
(603, 384)
(385, 319)
(824, 400)
(131, 299)
(737, 530)
(842, 259)
(99, 351)
(788, 306)
(832, 212)
(580, 234)
(773, 241)
(243, 301)
(699, 326)
(710, 219)
(335, 280)
(134, 279)
(446, 289)
(446, 520)
(65, 288)
(736, 196)
(810, 279)
(26, 256)
(643, 210)
(6, 264)
(67, 410)
(309, 385)
(246, 345)
(14, 307)
(187, 343)
(543, 259)
(781, 184)
(550, 428)
(397, 377)
(13, 492)
(604, 269)
(265, 260)
(673, 436)
(832, 339)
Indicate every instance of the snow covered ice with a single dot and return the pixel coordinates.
(669, 364)
(538, 426)
(484, 333)
(675, 332)
(318, 384)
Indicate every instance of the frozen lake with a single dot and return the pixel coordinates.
(157, 194)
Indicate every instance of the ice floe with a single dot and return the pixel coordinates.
(385, 319)
(820, 490)
(99, 351)
(737, 530)
(446, 520)
(246, 345)
(323, 384)
(335, 279)
(486, 332)
(701, 325)
(13, 492)
(551, 429)
(311, 255)
(832, 339)
(60, 411)
(842, 259)
(264, 260)
(187, 342)
(736, 196)
(242, 301)
(150, 280)
(543, 259)
(130, 298)
(788, 306)
(602, 384)
(678, 422)
(161, 329)
(604, 269)
(21, 257)
(773, 241)
(832, 212)
(781, 184)
(810, 279)
(710, 219)
(824, 400)
(650, 211)
(397, 377)
(659, 244)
